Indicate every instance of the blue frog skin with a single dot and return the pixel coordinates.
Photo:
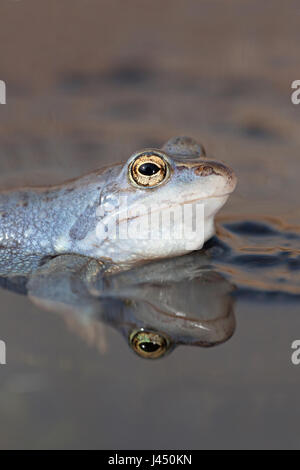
(74, 218)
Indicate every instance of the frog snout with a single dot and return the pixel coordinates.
(216, 168)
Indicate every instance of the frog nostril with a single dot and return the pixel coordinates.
(204, 170)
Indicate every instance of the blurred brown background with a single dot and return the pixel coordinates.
(91, 81)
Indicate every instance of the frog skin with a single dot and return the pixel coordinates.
(79, 217)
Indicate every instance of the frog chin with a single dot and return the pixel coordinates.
(213, 204)
(184, 228)
(170, 231)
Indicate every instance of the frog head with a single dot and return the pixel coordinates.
(162, 202)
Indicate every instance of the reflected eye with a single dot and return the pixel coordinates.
(149, 344)
(148, 170)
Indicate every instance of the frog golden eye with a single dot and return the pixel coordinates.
(148, 344)
(148, 169)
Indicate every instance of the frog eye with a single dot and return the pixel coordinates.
(148, 344)
(148, 169)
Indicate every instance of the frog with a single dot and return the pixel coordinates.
(104, 215)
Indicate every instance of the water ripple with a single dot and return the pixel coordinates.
(261, 257)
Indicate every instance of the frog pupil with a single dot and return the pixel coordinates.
(148, 169)
(149, 346)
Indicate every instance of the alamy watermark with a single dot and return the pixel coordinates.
(295, 96)
(2, 92)
(118, 219)
(295, 357)
(2, 352)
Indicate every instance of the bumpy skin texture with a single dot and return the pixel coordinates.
(37, 224)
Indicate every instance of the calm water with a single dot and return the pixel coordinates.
(63, 387)
(68, 113)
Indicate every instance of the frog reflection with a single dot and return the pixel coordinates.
(157, 306)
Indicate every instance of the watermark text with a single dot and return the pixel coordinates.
(2, 352)
(2, 92)
(295, 96)
(295, 357)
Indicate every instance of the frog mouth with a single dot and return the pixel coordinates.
(204, 198)
(171, 206)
